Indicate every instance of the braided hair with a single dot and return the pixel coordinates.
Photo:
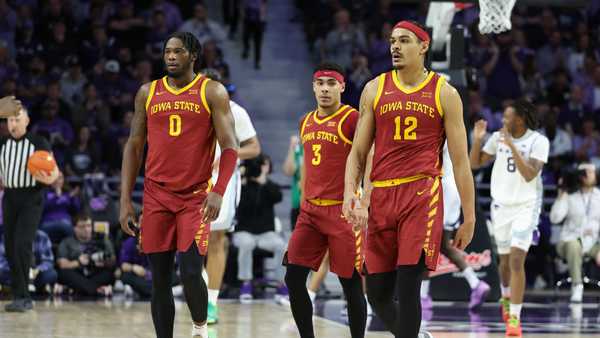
(190, 43)
(527, 111)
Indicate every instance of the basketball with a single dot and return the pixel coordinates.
(41, 160)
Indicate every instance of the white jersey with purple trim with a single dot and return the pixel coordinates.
(451, 197)
(244, 130)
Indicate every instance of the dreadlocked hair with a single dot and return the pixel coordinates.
(191, 44)
(527, 111)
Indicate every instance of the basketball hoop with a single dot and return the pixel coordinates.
(494, 16)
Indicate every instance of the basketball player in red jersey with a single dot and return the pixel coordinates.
(326, 135)
(407, 113)
(181, 116)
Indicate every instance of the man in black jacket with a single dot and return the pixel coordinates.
(256, 226)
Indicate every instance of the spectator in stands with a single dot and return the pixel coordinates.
(255, 20)
(587, 145)
(83, 157)
(156, 38)
(27, 44)
(51, 12)
(203, 28)
(576, 56)
(343, 41)
(358, 75)
(561, 145)
(9, 25)
(379, 49)
(53, 94)
(578, 205)
(59, 131)
(503, 69)
(92, 112)
(125, 25)
(85, 262)
(256, 225)
(558, 91)
(572, 113)
(531, 80)
(57, 47)
(596, 90)
(72, 82)
(135, 268)
(552, 55)
(211, 56)
(60, 203)
(33, 81)
(97, 48)
(42, 271)
(171, 12)
(8, 68)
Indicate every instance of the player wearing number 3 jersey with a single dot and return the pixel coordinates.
(326, 136)
(407, 114)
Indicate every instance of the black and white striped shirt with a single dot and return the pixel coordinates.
(13, 160)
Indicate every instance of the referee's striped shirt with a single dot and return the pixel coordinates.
(13, 160)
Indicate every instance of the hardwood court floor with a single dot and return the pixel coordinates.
(66, 319)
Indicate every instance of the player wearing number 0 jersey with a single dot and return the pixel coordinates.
(516, 189)
(181, 117)
(326, 136)
(407, 114)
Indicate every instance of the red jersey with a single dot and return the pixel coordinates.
(409, 128)
(327, 142)
(181, 138)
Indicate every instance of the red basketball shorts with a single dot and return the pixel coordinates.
(405, 221)
(322, 228)
(172, 220)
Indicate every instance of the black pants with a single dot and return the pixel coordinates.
(139, 284)
(231, 14)
(86, 285)
(22, 211)
(254, 30)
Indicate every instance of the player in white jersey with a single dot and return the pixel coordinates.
(217, 253)
(479, 288)
(516, 188)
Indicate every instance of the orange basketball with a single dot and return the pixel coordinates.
(41, 160)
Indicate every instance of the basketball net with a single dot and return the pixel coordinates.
(494, 16)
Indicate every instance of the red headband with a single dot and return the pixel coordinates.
(329, 73)
(419, 32)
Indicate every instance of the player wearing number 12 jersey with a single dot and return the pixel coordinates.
(407, 114)
(326, 136)
(181, 117)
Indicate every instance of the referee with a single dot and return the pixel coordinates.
(22, 204)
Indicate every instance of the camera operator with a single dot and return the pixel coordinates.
(86, 261)
(578, 204)
(256, 225)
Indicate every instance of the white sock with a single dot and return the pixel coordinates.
(213, 295)
(505, 291)
(515, 310)
(205, 276)
(200, 330)
(471, 277)
(425, 288)
(312, 295)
